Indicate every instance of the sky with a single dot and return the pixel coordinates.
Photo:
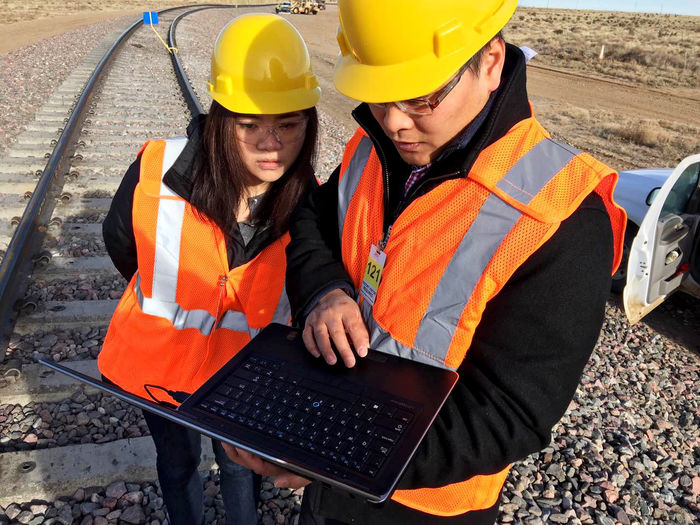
(680, 7)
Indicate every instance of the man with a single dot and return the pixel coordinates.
(469, 239)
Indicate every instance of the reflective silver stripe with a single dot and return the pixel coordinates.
(234, 320)
(171, 214)
(166, 263)
(348, 183)
(283, 312)
(535, 169)
(173, 148)
(476, 249)
(485, 235)
(381, 340)
(171, 311)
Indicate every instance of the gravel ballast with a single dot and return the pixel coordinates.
(30, 74)
(627, 451)
(95, 418)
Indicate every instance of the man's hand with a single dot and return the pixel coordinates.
(282, 478)
(335, 317)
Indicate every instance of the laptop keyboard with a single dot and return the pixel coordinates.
(348, 427)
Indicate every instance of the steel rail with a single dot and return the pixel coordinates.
(16, 266)
(26, 241)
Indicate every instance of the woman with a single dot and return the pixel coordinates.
(199, 227)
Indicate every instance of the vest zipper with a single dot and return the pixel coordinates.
(385, 239)
(387, 222)
(222, 289)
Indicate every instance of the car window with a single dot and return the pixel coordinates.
(681, 192)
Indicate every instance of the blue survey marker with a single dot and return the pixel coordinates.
(150, 17)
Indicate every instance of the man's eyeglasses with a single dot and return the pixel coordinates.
(427, 104)
(285, 132)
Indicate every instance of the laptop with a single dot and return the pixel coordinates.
(353, 428)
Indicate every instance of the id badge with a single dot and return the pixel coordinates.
(373, 274)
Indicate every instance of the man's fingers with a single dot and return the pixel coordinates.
(230, 451)
(342, 345)
(323, 343)
(247, 459)
(308, 336)
(254, 462)
(335, 317)
(283, 478)
(359, 336)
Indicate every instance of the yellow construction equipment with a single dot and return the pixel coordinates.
(306, 7)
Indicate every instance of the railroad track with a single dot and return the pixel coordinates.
(58, 286)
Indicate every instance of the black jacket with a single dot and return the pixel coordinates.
(529, 349)
(118, 230)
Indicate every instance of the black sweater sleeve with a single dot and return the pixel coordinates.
(526, 358)
(314, 250)
(117, 228)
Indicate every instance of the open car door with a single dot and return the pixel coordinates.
(664, 253)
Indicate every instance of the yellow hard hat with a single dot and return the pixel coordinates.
(261, 65)
(400, 49)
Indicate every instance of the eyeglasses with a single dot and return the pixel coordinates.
(427, 104)
(285, 132)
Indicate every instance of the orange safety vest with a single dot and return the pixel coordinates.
(184, 313)
(453, 249)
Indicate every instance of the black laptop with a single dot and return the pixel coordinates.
(353, 428)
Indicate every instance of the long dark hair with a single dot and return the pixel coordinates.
(220, 176)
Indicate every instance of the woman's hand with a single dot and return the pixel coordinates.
(282, 478)
(335, 317)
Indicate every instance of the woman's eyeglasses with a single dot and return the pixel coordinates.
(285, 132)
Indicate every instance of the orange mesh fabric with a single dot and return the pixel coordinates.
(364, 220)
(618, 216)
(525, 237)
(565, 192)
(423, 240)
(201, 246)
(476, 493)
(501, 156)
(266, 270)
(556, 201)
(141, 348)
(422, 243)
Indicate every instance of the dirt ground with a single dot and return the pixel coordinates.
(635, 108)
(20, 34)
(26, 22)
(625, 123)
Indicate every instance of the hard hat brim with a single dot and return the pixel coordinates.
(390, 83)
(269, 103)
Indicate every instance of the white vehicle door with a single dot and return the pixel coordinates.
(662, 253)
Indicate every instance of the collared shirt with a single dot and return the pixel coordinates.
(248, 228)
